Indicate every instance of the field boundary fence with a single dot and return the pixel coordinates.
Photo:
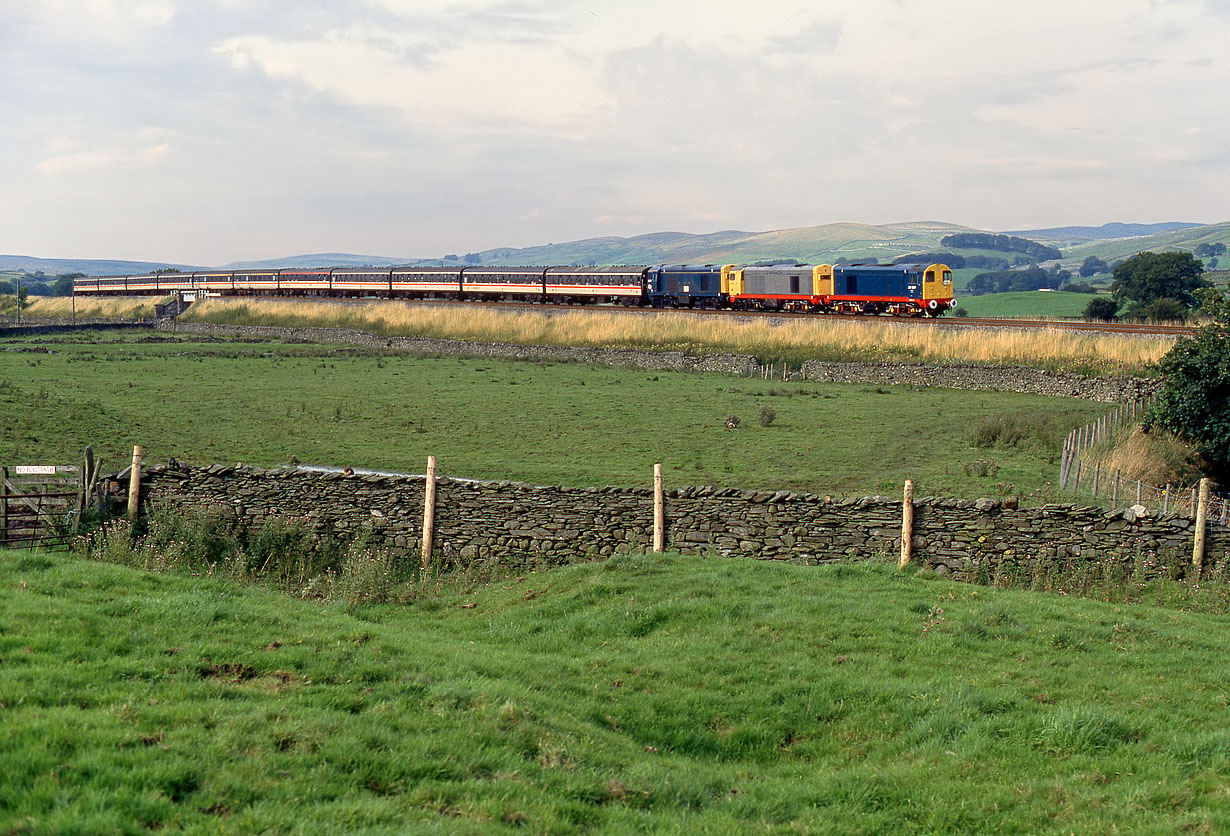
(1081, 476)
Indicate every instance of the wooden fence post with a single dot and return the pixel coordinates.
(4, 503)
(659, 511)
(134, 486)
(1195, 499)
(1114, 493)
(1076, 479)
(907, 524)
(1202, 513)
(429, 511)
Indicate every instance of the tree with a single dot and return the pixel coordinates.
(1092, 266)
(64, 284)
(1147, 277)
(1195, 399)
(1102, 308)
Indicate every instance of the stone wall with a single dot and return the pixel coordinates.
(511, 521)
(996, 378)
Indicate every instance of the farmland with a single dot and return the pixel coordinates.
(538, 422)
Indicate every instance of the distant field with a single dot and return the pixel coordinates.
(641, 695)
(538, 422)
(1034, 303)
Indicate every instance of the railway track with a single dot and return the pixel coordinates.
(1135, 329)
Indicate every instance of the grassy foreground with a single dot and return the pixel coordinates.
(538, 422)
(643, 694)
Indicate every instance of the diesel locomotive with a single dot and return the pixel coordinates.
(900, 289)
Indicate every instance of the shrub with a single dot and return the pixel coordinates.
(1160, 310)
(767, 415)
(1104, 309)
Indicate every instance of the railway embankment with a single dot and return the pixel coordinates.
(1019, 379)
(482, 521)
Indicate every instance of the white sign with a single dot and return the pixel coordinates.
(36, 470)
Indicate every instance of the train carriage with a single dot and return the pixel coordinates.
(504, 282)
(251, 282)
(304, 281)
(426, 282)
(214, 282)
(595, 284)
(361, 282)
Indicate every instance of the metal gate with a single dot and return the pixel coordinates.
(38, 505)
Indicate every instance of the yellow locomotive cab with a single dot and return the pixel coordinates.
(732, 280)
(937, 283)
(822, 280)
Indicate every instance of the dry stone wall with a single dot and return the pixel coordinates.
(514, 521)
(995, 378)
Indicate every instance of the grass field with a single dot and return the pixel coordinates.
(1025, 304)
(538, 422)
(792, 341)
(663, 695)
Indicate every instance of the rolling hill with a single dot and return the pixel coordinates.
(814, 244)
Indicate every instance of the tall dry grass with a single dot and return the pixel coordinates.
(109, 308)
(791, 341)
(1155, 458)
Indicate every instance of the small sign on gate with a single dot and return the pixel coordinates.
(36, 470)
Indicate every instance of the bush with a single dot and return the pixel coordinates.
(767, 415)
(1103, 309)
(1078, 287)
(960, 313)
(1159, 310)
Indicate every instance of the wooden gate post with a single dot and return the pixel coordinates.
(907, 524)
(659, 511)
(134, 486)
(429, 511)
(1202, 514)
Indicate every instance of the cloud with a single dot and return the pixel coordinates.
(427, 126)
(147, 148)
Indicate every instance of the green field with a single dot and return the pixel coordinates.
(1026, 304)
(641, 695)
(538, 422)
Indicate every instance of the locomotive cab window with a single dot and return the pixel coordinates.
(947, 277)
(930, 275)
(794, 284)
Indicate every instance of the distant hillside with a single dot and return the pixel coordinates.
(89, 266)
(321, 260)
(1074, 234)
(810, 244)
(1184, 239)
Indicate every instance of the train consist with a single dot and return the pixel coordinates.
(902, 289)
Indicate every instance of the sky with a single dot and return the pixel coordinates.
(211, 131)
